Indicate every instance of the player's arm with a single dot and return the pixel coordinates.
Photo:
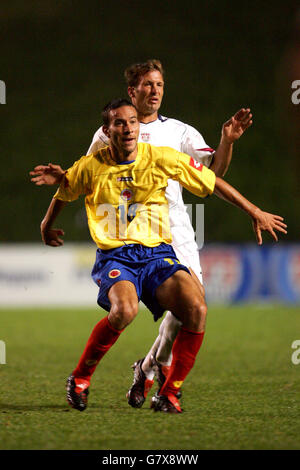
(232, 130)
(76, 181)
(201, 181)
(261, 221)
(51, 236)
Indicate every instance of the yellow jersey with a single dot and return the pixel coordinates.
(125, 202)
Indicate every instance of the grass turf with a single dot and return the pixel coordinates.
(243, 392)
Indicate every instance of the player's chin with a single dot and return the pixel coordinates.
(154, 107)
(129, 146)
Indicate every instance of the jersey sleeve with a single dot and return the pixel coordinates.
(99, 141)
(75, 183)
(194, 145)
(191, 174)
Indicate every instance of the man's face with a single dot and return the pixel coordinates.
(148, 94)
(123, 129)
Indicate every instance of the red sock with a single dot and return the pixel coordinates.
(102, 338)
(185, 350)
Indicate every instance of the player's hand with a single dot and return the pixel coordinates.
(51, 236)
(263, 221)
(236, 125)
(47, 174)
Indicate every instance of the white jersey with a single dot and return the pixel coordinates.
(166, 132)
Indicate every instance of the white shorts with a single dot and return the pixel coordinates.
(188, 255)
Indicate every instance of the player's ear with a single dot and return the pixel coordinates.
(106, 130)
(131, 92)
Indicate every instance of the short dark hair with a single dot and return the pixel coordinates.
(135, 71)
(114, 104)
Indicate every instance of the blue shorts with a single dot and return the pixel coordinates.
(147, 268)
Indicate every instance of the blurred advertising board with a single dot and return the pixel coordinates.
(36, 275)
(42, 275)
(251, 273)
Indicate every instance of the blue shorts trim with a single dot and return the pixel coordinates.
(146, 267)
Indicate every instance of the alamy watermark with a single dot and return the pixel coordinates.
(296, 94)
(2, 352)
(2, 92)
(296, 354)
(147, 221)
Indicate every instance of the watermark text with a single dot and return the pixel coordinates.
(296, 354)
(2, 352)
(296, 94)
(133, 221)
(2, 92)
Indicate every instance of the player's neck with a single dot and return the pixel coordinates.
(120, 156)
(146, 118)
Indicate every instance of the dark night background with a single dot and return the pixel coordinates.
(62, 61)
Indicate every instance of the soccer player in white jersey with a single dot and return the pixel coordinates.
(145, 82)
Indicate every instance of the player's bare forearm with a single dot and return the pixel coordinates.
(227, 192)
(262, 221)
(51, 236)
(222, 158)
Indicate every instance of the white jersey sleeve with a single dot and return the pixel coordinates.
(194, 145)
(99, 141)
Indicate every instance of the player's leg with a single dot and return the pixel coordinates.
(159, 358)
(161, 350)
(124, 304)
(145, 369)
(181, 295)
(123, 299)
(168, 331)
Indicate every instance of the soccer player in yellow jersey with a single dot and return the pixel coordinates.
(124, 187)
(145, 87)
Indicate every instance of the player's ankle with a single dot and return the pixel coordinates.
(147, 368)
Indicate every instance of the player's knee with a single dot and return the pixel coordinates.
(195, 318)
(122, 313)
(203, 314)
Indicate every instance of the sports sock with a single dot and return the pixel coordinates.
(185, 350)
(147, 366)
(102, 338)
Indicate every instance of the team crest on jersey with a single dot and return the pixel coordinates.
(145, 136)
(114, 273)
(126, 194)
(196, 164)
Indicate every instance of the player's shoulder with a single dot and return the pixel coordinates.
(180, 126)
(167, 121)
(101, 137)
(93, 160)
(154, 152)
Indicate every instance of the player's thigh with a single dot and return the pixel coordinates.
(181, 295)
(197, 281)
(188, 255)
(124, 303)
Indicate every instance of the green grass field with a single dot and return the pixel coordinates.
(243, 392)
